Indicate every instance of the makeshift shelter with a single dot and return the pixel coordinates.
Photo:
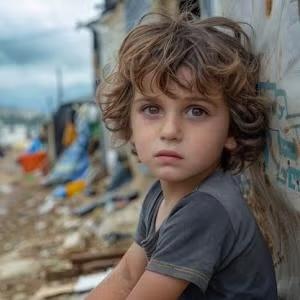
(73, 161)
(64, 115)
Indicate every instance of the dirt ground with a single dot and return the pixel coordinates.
(29, 242)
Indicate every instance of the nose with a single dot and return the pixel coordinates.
(171, 128)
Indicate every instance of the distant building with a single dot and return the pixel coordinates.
(119, 16)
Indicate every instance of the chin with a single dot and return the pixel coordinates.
(169, 176)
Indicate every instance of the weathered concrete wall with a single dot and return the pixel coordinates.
(277, 37)
(165, 5)
(112, 28)
(277, 28)
(134, 10)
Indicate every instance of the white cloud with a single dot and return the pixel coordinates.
(42, 14)
(36, 37)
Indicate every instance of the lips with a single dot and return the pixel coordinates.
(168, 153)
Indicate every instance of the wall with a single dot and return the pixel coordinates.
(134, 10)
(277, 38)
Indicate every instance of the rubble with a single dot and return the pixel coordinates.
(13, 269)
(46, 252)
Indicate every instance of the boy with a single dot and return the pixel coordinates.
(184, 94)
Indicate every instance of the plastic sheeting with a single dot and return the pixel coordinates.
(74, 161)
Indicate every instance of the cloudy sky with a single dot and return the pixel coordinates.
(37, 37)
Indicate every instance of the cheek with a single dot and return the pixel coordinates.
(141, 129)
(209, 142)
(140, 136)
(142, 140)
(142, 147)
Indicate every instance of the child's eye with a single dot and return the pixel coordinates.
(194, 112)
(151, 110)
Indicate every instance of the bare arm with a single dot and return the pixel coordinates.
(119, 284)
(154, 286)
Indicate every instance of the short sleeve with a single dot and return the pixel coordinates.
(194, 240)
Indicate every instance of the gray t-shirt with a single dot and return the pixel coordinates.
(211, 240)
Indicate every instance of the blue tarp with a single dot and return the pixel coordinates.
(73, 162)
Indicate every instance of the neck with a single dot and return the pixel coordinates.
(176, 190)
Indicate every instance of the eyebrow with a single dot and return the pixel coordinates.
(190, 98)
(201, 99)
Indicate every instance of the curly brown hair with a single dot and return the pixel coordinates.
(218, 53)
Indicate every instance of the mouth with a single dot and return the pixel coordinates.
(168, 153)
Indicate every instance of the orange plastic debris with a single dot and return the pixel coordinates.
(75, 187)
(33, 161)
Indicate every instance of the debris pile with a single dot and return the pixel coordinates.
(66, 221)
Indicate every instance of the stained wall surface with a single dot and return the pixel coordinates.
(277, 38)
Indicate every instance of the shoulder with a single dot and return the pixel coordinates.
(200, 202)
(200, 207)
(226, 188)
(219, 198)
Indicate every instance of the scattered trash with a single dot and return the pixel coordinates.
(19, 267)
(48, 292)
(73, 243)
(73, 162)
(113, 237)
(111, 201)
(83, 284)
(51, 231)
(48, 205)
(5, 189)
(87, 208)
(71, 224)
(88, 282)
(119, 202)
(33, 161)
(120, 176)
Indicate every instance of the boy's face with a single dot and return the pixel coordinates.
(183, 138)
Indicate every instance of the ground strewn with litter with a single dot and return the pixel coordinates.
(34, 249)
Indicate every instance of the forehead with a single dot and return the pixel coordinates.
(186, 89)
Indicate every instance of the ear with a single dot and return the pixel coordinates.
(230, 143)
